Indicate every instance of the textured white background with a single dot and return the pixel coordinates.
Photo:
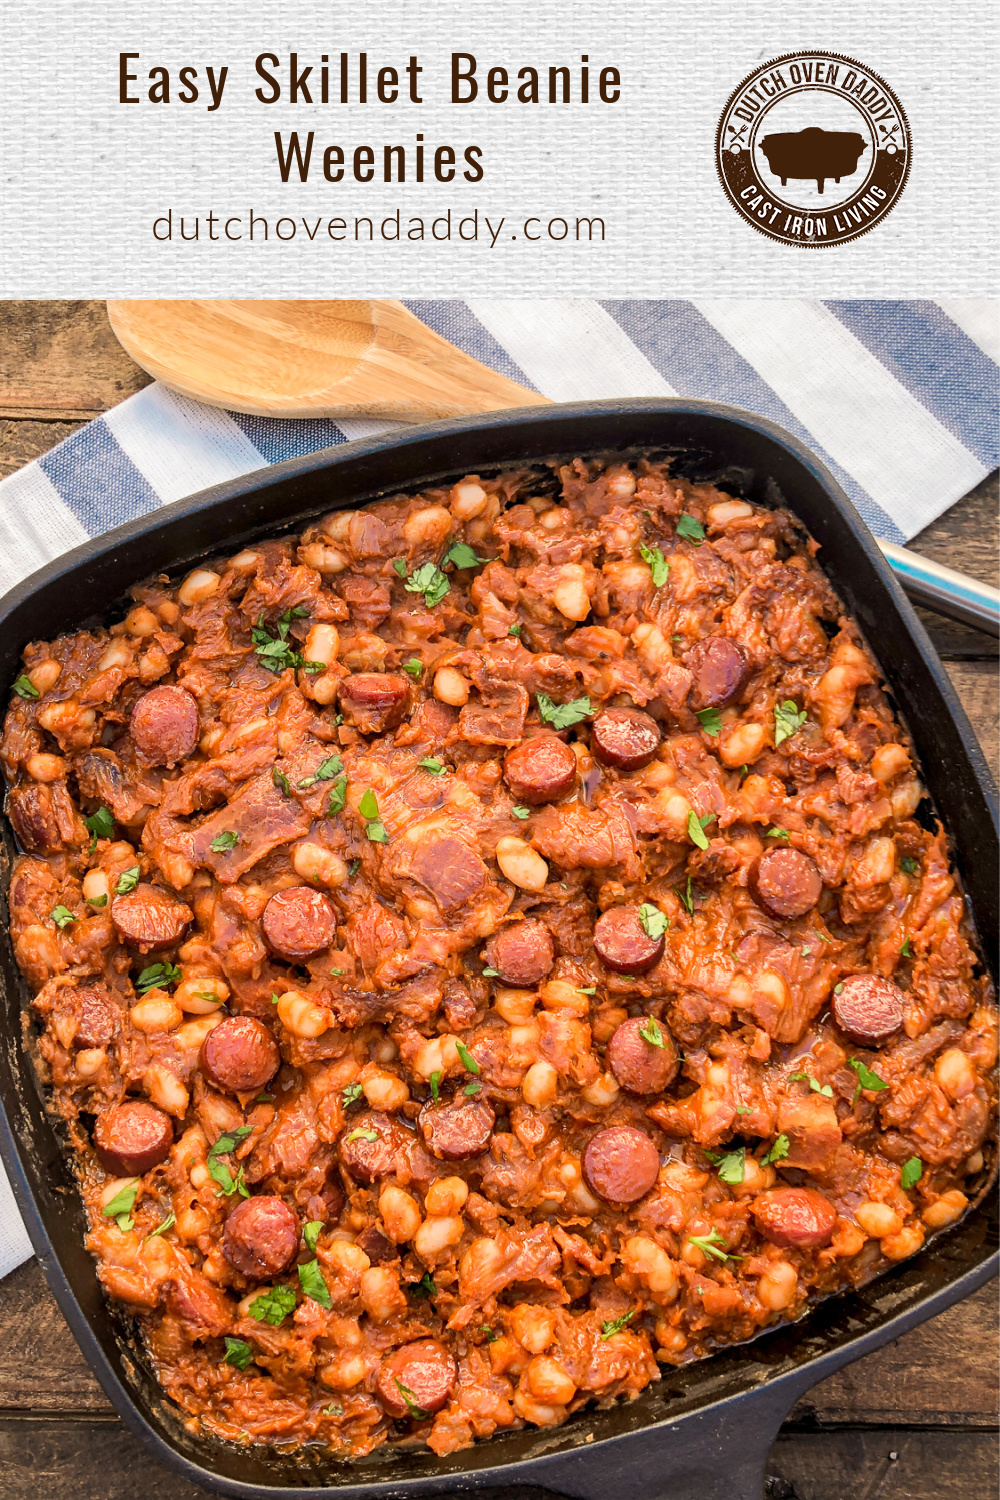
(83, 177)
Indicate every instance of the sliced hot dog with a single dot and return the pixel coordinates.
(164, 725)
(374, 701)
(785, 882)
(868, 1009)
(540, 770)
(620, 1164)
(240, 1056)
(522, 954)
(719, 669)
(133, 1137)
(621, 941)
(794, 1217)
(299, 922)
(417, 1378)
(261, 1237)
(98, 1019)
(457, 1129)
(624, 738)
(150, 918)
(639, 1065)
(369, 1145)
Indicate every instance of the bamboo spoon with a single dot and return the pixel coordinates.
(310, 359)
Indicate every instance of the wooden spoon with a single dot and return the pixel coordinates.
(310, 359)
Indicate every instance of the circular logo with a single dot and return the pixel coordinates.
(813, 149)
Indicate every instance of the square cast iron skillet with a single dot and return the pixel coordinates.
(703, 1430)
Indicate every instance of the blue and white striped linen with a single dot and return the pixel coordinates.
(899, 400)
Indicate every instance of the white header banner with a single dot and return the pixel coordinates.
(525, 149)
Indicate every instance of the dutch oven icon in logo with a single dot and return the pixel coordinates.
(813, 149)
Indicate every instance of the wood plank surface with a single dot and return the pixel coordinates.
(910, 1422)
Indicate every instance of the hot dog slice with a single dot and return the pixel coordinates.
(794, 1217)
(868, 1009)
(457, 1129)
(164, 725)
(624, 738)
(150, 918)
(621, 941)
(785, 882)
(299, 922)
(240, 1056)
(719, 669)
(620, 1164)
(373, 701)
(638, 1064)
(133, 1137)
(416, 1379)
(521, 954)
(540, 770)
(369, 1145)
(261, 1237)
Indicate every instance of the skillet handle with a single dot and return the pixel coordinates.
(719, 1454)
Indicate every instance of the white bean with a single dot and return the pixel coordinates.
(198, 586)
(521, 864)
(450, 687)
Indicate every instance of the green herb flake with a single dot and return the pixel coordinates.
(273, 1306)
(686, 897)
(653, 921)
(743, 1109)
(168, 1223)
(238, 1353)
(158, 977)
(909, 865)
(353, 868)
(376, 832)
(468, 1061)
(25, 688)
(709, 1244)
(263, 1099)
(520, 812)
(413, 667)
(814, 1084)
(911, 1172)
(433, 766)
(325, 771)
(590, 990)
(121, 1205)
(488, 1334)
(311, 1233)
(224, 842)
(281, 782)
(731, 1165)
(562, 715)
(710, 721)
(351, 1094)
(905, 950)
(429, 581)
(416, 1412)
(777, 833)
(275, 652)
(867, 1079)
(778, 1151)
(100, 825)
(611, 1326)
(513, 630)
(435, 1083)
(472, 1088)
(362, 1135)
(690, 529)
(313, 1285)
(61, 916)
(97, 901)
(696, 828)
(399, 566)
(491, 973)
(333, 1410)
(219, 1170)
(651, 1033)
(788, 720)
(368, 806)
(657, 564)
(127, 881)
(461, 555)
(425, 1287)
(337, 798)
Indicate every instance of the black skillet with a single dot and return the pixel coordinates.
(702, 1431)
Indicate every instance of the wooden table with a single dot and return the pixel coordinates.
(916, 1420)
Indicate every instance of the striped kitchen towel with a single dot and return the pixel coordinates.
(899, 400)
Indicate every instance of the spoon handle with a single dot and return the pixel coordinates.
(942, 589)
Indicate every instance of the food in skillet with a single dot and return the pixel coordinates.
(486, 948)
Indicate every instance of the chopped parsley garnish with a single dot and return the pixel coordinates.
(611, 1326)
(336, 973)
(709, 1244)
(311, 1233)
(710, 721)
(909, 865)
(520, 812)
(238, 1353)
(778, 1151)
(905, 950)
(433, 766)
(168, 1223)
(312, 1283)
(263, 1098)
(281, 781)
(355, 864)
(425, 1287)
(487, 1332)
(651, 1033)
(866, 1078)
(472, 1088)
(657, 563)
(743, 1109)
(513, 630)
(224, 842)
(468, 1061)
(562, 715)
(652, 920)
(788, 720)
(435, 1083)
(427, 580)
(219, 1170)
(686, 897)
(127, 881)
(368, 808)
(61, 916)
(590, 990)
(696, 828)
(351, 1094)
(491, 973)
(273, 1306)
(777, 833)
(911, 1172)
(121, 1205)
(333, 1410)
(461, 555)
(416, 1412)
(337, 798)
(158, 977)
(274, 650)
(732, 1165)
(362, 1135)
(690, 529)
(325, 771)
(413, 667)
(97, 900)
(25, 688)
(814, 1084)
(100, 825)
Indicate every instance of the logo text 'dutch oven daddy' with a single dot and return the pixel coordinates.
(813, 149)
